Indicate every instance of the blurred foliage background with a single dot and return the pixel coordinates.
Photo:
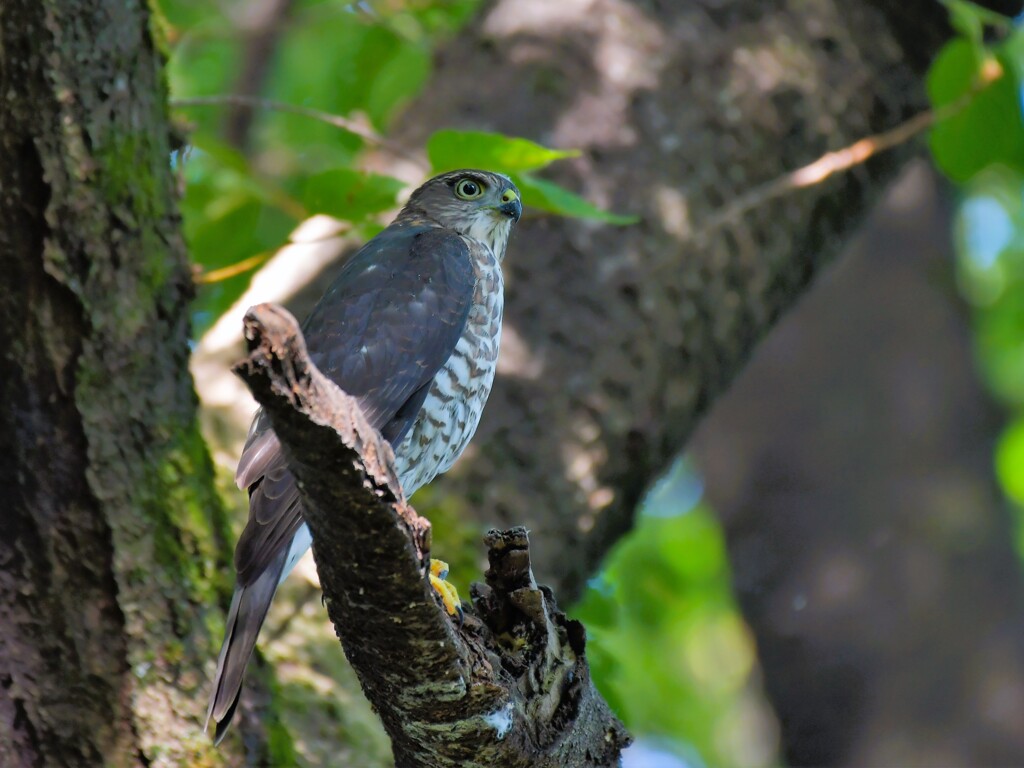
(981, 150)
(277, 124)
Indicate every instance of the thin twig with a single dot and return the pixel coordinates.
(341, 229)
(356, 127)
(844, 159)
(232, 270)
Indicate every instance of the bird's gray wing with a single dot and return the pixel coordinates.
(382, 331)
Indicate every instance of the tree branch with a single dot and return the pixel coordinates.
(359, 127)
(112, 529)
(509, 687)
(617, 340)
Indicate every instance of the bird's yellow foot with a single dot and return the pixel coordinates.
(449, 595)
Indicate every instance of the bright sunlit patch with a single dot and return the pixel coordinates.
(667, 646)
(676, 493)
(500, 720)
(718, 653)
(517, 357)
(1009, 460)
(674, 211)
(986, 229)
(649, 753)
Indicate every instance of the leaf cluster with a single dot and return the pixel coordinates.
(976, 85)
(337, 76)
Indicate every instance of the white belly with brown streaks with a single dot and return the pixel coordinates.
(451, 412)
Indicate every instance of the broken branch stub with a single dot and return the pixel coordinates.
(508, 688)
(543, 651)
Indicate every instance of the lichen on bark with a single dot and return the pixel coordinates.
(114, 539)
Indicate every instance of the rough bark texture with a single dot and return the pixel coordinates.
(872, 554)
(110, 530)
(511, 688)
(617, 340)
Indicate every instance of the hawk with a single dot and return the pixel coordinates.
(410, 328)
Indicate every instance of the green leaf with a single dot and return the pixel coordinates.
(965, 19)
(397, 80)
(186, 15)
(953, 73)
(227, 220)
(999, 329)
(226, 174)
(970, 19)
(1011, 53)
(449, 150)
(329, 61)
(988, 130)
(350, 195)
(247, 229)
(224, 154)
(598, 608)
(203, 65)
(548, 196)
(665, 641)
(1010, 461)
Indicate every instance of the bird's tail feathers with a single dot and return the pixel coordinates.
(245, 617)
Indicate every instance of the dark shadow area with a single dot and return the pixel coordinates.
(851, 464)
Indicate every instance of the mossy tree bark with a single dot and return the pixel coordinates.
(618, 341)
(111, 535)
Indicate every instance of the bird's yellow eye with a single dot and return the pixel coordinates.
(468, 189)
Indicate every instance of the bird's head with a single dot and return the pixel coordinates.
(479, 204)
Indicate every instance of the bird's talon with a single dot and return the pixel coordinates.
(449, 595)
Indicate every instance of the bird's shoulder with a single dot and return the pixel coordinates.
(395, 312)
(405, 250)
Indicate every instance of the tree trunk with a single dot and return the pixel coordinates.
(617, 340)
(111, 539)
(872, 554)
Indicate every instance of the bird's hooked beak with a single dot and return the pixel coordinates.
(511, 205)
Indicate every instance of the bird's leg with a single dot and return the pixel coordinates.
(449, 595)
